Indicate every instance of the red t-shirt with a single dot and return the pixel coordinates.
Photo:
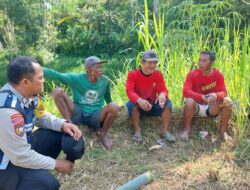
(143, 86)
(197, 85)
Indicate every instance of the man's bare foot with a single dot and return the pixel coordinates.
(136, 137)
(98, 132)
(106, 142)
(225, 137)
(185, 135)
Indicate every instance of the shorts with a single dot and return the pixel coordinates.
(203, 111)
(92, 120)
(155, 111)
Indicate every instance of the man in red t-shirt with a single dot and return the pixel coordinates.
(205, 95)
(148, 96)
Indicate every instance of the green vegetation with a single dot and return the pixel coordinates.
(59, 34)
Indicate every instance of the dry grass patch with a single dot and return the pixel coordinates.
(197, 164)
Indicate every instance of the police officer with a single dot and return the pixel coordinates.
(26, 156)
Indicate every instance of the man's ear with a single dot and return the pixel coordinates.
(87, 69)
(25, 82)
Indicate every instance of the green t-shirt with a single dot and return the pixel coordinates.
(88, 96)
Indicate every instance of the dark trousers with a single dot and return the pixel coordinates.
(45, 142)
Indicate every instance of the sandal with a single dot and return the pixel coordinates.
(137, 138)
(169, 137)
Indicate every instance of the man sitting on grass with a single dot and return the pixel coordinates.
(205, 95)
(89, 91)
(148, 96)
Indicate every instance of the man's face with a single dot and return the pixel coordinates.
(204, 62)
(149, 66)
(95, 71)
(36, 82)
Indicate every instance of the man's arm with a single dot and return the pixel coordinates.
(161, 86)
(221, 88)
(130, 88)
(162, 92)
(13, 142)
(45, 119)
(64, 78)
(188, 89)
(107, 95)
(133, 96)
(49, 121)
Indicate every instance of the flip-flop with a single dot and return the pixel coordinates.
(169, 137)
(137, 138)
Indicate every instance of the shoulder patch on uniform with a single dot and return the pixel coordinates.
(19, 130)
(17, 118)
(18, 124)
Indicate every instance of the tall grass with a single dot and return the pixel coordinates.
(178, 45)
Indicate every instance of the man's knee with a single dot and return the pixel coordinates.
(168, 110)
(57, 93)
(190, 103)
(72, 148)
(43, 139)
(133, 109)
(227, 103)
(113, 108)
(168, 106)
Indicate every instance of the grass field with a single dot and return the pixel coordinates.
(198, 164)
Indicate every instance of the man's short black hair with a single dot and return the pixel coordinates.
(19, 68)
(211, 55)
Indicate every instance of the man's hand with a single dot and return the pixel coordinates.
(161, 99)
(144, 104)
(72, 130)
(64, 166)
(212, 98)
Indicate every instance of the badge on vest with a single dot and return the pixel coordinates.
(19, 130)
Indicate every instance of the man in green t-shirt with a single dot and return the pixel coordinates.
(89, 90)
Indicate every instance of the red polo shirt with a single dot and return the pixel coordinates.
(196, 85)
(143, 86)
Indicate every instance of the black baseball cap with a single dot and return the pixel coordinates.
(93, 60)
(149, 55)
(74, 149)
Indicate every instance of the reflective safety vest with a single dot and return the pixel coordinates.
(9, 100)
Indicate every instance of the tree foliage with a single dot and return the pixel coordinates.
(47, 27)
